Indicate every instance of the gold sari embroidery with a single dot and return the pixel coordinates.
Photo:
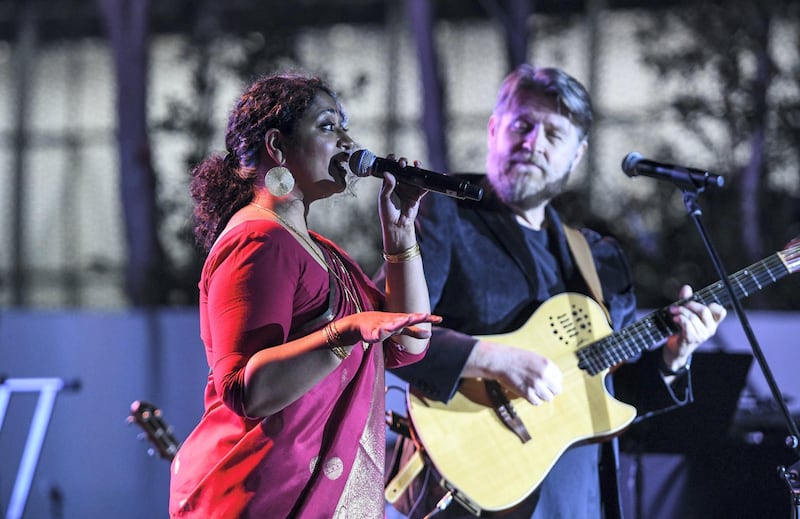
(363, 493)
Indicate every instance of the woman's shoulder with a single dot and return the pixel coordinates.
(253, 230)
(252, 239)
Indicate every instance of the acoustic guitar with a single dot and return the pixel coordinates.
(493, 449)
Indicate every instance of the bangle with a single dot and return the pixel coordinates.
(667, 372)
(402, 257)
(334, 341)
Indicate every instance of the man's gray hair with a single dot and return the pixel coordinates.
(569, 94)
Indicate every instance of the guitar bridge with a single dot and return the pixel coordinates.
(505, 410)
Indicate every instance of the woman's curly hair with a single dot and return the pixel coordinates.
(221, 185)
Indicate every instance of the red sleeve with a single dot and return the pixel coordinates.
(396, 358)
(254, 290)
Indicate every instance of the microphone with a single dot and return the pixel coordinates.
(685, 178)
(364, 163)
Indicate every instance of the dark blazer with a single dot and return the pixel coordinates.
(483, 280)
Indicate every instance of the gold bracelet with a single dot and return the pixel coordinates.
(402, 257)
(340, 352)
(334, 341)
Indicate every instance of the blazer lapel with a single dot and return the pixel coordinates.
(502, 224)
(509, 236)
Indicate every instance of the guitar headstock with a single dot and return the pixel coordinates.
(790, 255)
(149, 418)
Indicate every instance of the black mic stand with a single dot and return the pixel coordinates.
(791, 476)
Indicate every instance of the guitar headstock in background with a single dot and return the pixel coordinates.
(149, 418)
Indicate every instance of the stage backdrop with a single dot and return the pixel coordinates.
(91, 462)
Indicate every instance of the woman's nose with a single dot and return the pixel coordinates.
(346, 143)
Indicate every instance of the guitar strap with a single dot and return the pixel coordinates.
(609, 467)
(583, 258)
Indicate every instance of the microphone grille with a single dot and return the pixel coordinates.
(629, 163)
(361, 161)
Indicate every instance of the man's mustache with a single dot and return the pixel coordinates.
(530, 159)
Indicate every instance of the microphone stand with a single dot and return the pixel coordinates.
(690, 201)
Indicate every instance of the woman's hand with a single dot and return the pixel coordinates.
(376, 326)
(398, 206)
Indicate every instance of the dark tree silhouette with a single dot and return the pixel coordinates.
(126, 23)
(740, 100)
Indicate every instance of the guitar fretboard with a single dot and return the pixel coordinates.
(652, 330)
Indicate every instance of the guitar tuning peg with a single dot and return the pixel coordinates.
(151, 451)
(141, 436)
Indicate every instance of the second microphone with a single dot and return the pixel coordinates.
(364, 163)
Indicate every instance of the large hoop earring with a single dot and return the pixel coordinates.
(279, 181)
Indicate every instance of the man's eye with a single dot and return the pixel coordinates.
(520, 126)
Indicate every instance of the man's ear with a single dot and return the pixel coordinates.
(579, 154)
(491, 126)
(273, 143)
(491, 130)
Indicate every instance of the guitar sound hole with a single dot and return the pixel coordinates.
(582, 319)
(563, 327)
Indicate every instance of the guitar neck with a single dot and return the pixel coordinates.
(655, 328)
(746, 282)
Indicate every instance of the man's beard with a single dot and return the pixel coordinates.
(511, 192)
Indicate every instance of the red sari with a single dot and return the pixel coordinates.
(321, 456)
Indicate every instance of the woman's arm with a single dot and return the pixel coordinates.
(406, 289)
(251, 301)
(277, 376)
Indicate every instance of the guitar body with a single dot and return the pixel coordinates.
(483, 462)
(492, 450)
